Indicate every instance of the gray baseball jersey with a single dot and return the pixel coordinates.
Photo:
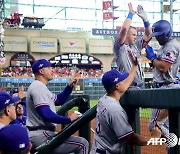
(124, 62)
(170, 52)
(111, 126)
(1, 125)
(39, 95)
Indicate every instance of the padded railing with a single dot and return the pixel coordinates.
(131, 101)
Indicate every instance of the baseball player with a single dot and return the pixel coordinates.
(20, 118)
(126, 41)
(41, 113)
(112, 127)
(14, 140)
(166, 64)
(7, 108)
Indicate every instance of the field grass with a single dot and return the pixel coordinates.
(144, 112)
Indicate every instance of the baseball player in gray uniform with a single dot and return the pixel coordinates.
(166, 64)
(112, 128)
(41, 112)
(7, 108)
(126, 41)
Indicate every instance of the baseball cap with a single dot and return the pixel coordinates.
(39, 64)
(15, 90)
(14, 138)
(6, 99)
(112, 77)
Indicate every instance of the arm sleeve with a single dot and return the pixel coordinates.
(63, 96)
(48, 115)
(116, 47)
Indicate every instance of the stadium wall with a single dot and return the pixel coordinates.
(28, 33)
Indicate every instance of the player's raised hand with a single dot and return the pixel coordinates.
(150, 53)
(74, 80)
(141, 13)
(131, 8)
(133, 58)
(21, 92)
(73, 116)
(156, 132)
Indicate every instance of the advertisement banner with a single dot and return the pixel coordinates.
(14, 43)
(39, 44)
(101, 46)
(73, 45)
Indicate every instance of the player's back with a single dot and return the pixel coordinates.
(105, 137)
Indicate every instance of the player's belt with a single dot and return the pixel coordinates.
(99, 151)
(42, 127)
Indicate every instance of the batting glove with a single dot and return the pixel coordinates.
(150, 53)
(141, 13)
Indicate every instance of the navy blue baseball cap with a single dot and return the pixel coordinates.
(41, 63)
(6, 99)
(112, 77)
(14, 138)
(15, 91)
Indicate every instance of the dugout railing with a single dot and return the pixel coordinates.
(132, 101)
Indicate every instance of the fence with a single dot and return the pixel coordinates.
(87, 86)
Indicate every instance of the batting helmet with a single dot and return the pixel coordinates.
(161, 27)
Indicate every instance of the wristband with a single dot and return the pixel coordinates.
(130, 15)
(146, 24)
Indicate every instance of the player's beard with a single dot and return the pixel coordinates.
(19, 114)
(162, 42)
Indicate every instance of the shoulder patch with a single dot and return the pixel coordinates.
(168, 55)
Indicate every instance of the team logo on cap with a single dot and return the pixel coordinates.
(153, 29)
(7, 101)
(115, 80)
(21, 145)
(41, 65)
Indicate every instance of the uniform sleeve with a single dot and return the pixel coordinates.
(41, 96)
(116, 47)
(169, 56)
(120, 124)
(139, 44)
(62, 97)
